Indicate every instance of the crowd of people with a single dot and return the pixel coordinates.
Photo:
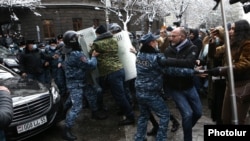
(174, 64)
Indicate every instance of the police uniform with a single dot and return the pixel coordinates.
(57, 73)
(148, 85)
(76, 65)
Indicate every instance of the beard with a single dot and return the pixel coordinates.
(172, 44)
(176, 44)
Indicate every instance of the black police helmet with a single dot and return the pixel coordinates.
(70, 39)
(114, 28)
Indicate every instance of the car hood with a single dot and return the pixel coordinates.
(20, 87)
(11, 62)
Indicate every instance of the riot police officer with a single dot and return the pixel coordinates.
(76, 65)
(148, 85)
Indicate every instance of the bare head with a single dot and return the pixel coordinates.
(178, 35)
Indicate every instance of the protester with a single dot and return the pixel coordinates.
(239, 35)
(134, 41)
(8, 39)
(182, 53)
(163, 41)
(162, 38)
(198, 81)
(31, 62)
(111, 72)
(148, 85)
(203, 33)
(6, 112)
(76, 65)
(216, 84)
(21, 49)
(114, 28)
(195, 39)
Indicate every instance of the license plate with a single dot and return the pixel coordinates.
(31, 125)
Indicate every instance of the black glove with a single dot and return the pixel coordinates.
(214, 71)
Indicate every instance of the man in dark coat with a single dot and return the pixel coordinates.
(199, 81)
(182, 54)
(31, 62)
(195, 39)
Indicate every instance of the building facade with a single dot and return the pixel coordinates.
(58, 16)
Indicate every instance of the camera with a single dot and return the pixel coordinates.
(177, 24)
(246, 8)
(235, 1)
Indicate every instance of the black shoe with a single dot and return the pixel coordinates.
(153, 132)
(99, 115)
(175, 126)
(126, 121)
(67, 135)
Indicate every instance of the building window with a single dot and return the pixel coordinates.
(95, 23)
(77, 24)
(48, 29)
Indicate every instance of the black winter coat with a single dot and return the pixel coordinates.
(185, 58)
(33, 61)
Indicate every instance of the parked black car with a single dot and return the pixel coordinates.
(35, 105)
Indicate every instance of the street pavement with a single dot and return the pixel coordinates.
(88, 129)
(178, 135)
(130, 130)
